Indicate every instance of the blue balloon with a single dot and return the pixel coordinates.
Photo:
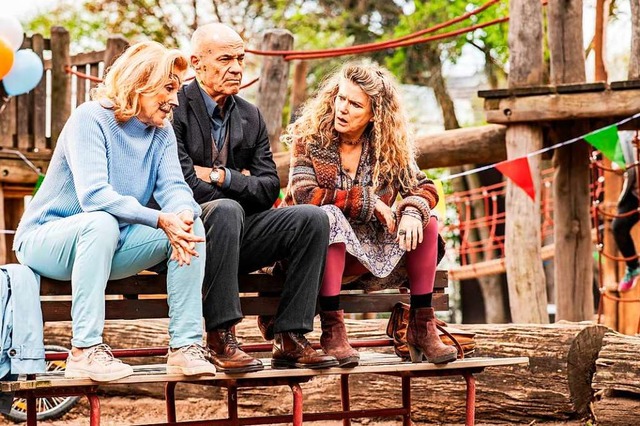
(25, 74)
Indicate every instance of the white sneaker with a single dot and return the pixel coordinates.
(189, 360)
(96, 363)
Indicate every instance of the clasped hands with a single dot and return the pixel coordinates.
(179, 230)
(410, 232)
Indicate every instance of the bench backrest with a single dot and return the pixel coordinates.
(144, 296)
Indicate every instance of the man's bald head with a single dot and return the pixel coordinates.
(217, 56)
(210, 36)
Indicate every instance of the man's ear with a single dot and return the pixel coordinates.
(195, 62)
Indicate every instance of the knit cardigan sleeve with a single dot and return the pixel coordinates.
(422, 196)
(312, 181)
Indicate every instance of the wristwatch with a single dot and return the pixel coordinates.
(215, 176)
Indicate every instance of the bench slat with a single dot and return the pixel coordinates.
(150, 283)
(60, 310)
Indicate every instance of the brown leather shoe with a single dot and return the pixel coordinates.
(293, 350)
(265, 325)
(226, 354)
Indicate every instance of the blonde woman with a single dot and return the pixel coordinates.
(89, 222)
(352, 155)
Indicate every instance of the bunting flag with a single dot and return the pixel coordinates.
(279, 199)
(440, 209)
(38, 183)
(519, 172)
(606, 141)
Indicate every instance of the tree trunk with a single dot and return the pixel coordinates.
(602, 18)
(634, 56)
(556, 384)
(616, 380)
(574, 261)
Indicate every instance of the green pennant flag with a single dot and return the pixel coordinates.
(606, 141)
(38, 183)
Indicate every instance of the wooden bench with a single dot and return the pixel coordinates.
(144, 297)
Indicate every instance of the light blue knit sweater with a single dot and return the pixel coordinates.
(102, 165)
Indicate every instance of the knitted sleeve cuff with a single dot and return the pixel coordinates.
(417, 202)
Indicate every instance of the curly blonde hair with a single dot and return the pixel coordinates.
(142, 69)
(388, 133)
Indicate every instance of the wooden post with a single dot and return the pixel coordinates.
(572, 231)
(115, 46)
(272, 91)
(298, 86)
(634, 56)
(525, 276)
(60, 82)
(40, 99)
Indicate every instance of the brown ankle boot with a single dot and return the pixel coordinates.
(422, 338)
(334, 339)
(226, 354)
(292, 350)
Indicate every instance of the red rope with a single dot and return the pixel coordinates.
(396, 45)
(381, 44)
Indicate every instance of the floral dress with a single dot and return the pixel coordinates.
(369, 242)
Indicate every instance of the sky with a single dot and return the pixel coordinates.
(25, 8)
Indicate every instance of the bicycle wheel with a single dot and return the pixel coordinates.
(49, 408)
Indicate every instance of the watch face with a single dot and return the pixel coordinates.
(214, 176)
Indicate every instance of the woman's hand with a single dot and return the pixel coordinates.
(387, 215)
(179, 230)
(410, 232)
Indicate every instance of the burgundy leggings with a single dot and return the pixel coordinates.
(421, 265)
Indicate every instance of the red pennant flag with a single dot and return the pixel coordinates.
(519, 172)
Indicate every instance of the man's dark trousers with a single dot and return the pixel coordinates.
(239, 244)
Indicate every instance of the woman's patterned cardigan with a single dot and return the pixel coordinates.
(313, 175)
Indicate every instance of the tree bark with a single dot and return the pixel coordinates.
(634, 56)
(574, 262)
(525, 276)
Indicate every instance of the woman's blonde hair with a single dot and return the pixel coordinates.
(142, 69)
(388, 133)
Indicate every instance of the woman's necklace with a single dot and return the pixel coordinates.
(360, 140)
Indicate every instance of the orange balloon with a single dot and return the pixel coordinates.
(6, 58)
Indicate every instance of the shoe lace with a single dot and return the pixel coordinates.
(194, 352)
(230, 340)
(102, 354)
(301, 338)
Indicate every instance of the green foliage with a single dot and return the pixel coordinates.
(492, 41)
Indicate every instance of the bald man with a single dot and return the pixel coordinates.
(226, 159)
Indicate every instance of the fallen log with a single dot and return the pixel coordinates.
(616, 381)
(618, 364)
(469, 145)
(555, 386)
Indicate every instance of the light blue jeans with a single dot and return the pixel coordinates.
(84, 249)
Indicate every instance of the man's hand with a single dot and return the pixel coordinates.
(203, 173)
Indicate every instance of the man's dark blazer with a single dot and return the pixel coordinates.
(249, 149)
